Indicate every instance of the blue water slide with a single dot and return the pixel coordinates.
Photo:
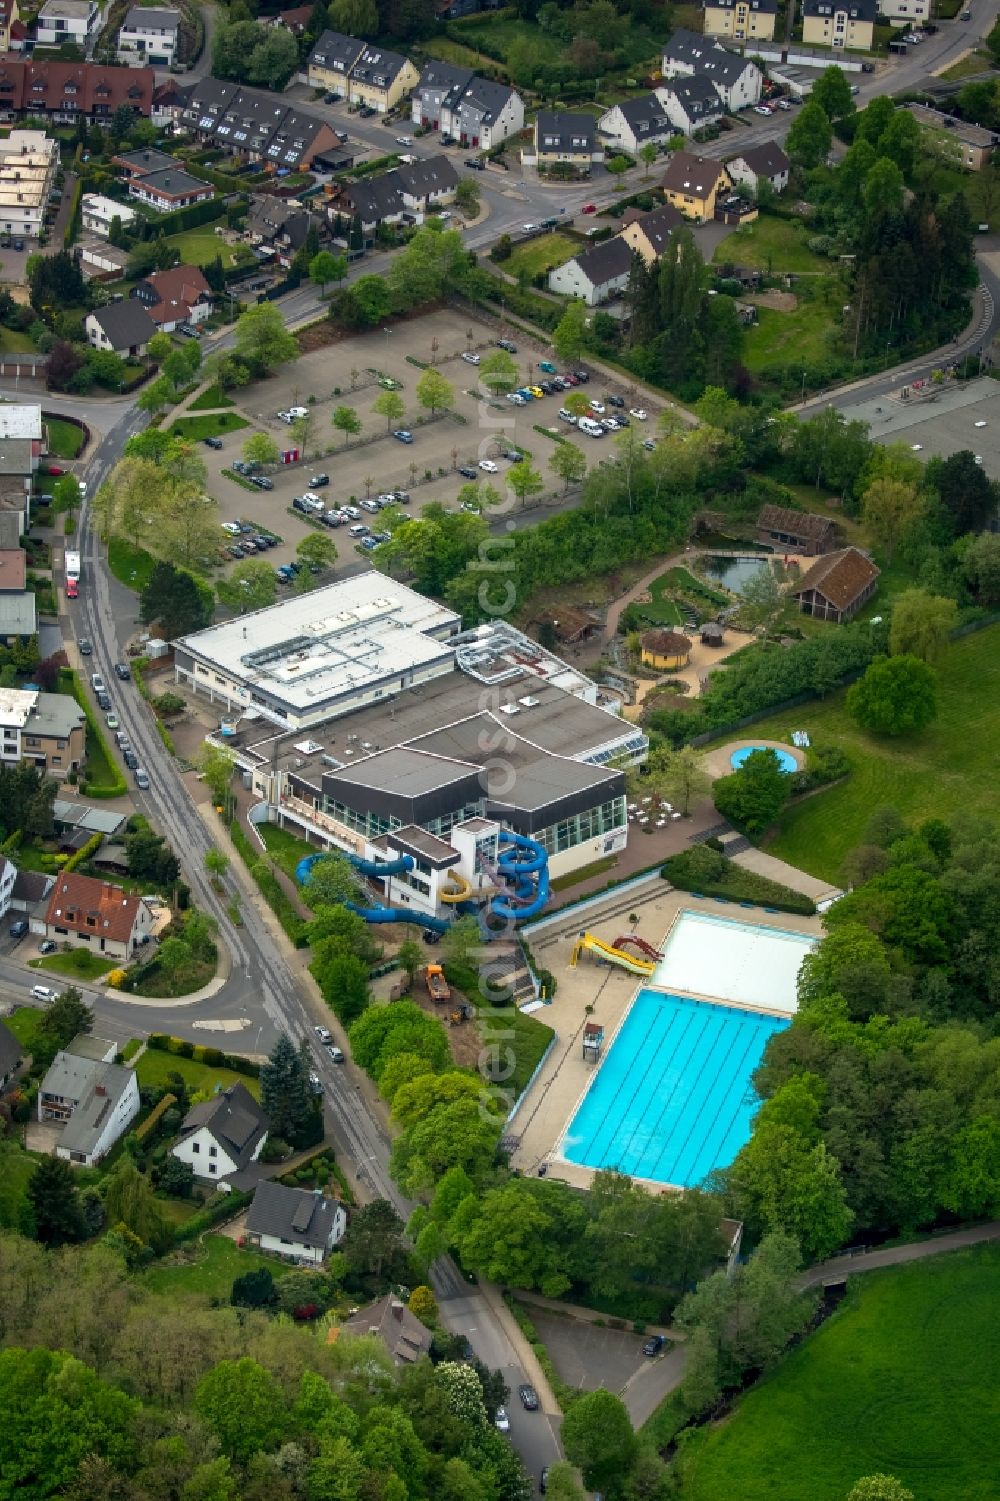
(377, 868)
(527, 865)
(400, 914)
(363, 867)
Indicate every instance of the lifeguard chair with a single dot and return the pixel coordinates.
(593, 1042)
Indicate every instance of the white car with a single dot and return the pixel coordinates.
(312, 497)
(598, 407)
(488, 466)
(386, 500)
(638, 414)
(761, 109)
(323, 1033)
(404, 140)
(231, 528)
(471, 359)
(567, 416)
(516, 399)
(529, 228)
(502, 1421)
(293, 413)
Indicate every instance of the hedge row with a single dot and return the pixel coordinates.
(157, 1113)
(693, 870)
(191, 217)
(73, 222)
(160, 1042)
(77, 858)
(269, 886)
(206, 1219)
(116, 788)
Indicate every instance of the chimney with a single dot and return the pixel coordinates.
(99, 1089)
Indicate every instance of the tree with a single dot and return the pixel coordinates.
(562, 1484)
(896, 696)
(55, 1203)
(569, 463)
(56, 1415)
(810, 136)
(981, 566)
(782, 1180)
(260, 448)
(301, 431)
(467, 196)
(251, 586)
(317, 549)
(462, 942)
(326, 267)
(434, 392)
(879, 1488)
(677, 776)
(67, 1017)
(524, 480)
(160, 346)
(753, 796)
(216, 767)
(571, 336)
(966, 498)
(243, 1406)
(376, 1243)
(355, 18)
(423, 1304)
(647, 155)
(331, 882)
(618, 166)
(390, 405)
(262, 339)
(155, 398)
(832, 93)
(284, 1089)
(891, 509)
(410, 957)
(343, 979)
(346, 420)
(577, 403)
(129, 1201)
(498, 371)
(274, 59)
(176, 599)
(921, 624)
(597, 1436)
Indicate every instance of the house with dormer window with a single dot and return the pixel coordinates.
(86, 912)
(832, 23)
(566, 139)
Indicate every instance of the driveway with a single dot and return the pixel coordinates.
(587, 1356)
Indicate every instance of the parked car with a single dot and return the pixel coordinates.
(507, 344)
(84, 647)
(111, 720)
(471, 359)
(19, 928)
(324, 1034)
(598, 407)
(529, 1397)
(404, 140)
(467, 471)
(403, 435)
(213, 442)
(582, 376)
(141, 778)
(615, 401)
(42, 993)
(488, 466)
(97, 682)
(589, 208)
(502, 1421)
(654, 1344)
(336, 1054)
(47, 947)
(319, 480)
(567, 416)
(639, 413)
(475, 165)
(130, 758)
(262, 482)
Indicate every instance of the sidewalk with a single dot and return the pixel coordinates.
(787, 875)
(526, 1356)
(917, 1250)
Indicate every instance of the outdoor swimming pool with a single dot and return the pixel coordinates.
(746, 962)
(672, 1099)
(786, 760)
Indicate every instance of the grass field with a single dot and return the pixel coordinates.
(199, 246)
(952, 765)
(15, 341)
(901, 1380)
(778, 339)
(774, 245)
(65, 438)
(16, 1167)
(154, 1067)
(78, 964)
(23, 1023)
(130, 565)
(210, 400)
(542, 254)
(638, 44)
(285, 848)
(218, 1262)
(208, 425)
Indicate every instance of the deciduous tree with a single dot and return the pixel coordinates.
(597, 1436)
(262, 339)
(317, 548)
(346, 420)
(434, 392)
(754, 795)
(391, 406)
(251, 586)
(891, 508)
(260, 448)
(569, 463)
(921, 624)
(896, 696)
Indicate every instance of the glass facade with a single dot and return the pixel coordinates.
(590, 824)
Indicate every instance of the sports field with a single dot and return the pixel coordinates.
(901, 1380)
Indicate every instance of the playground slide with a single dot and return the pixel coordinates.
(639, 943)
(460, 891)
(527, 865)
(613, 955)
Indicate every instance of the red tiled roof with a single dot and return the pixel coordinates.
(85, 905)
(839, 576)
(88, 87)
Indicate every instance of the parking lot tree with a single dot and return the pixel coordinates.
(569, 463)
(391, 406)
(262, 339)
(231, 371)
(370, 297)
(832, 93)
(188, 523)
(301, 431)
(326, 267)
(431, 263)
(284, 1089)
(346, 420)
(475, 497)
(647, 155)
(921, 624)
(54, 1201)
(498, 371)
(176, 599)
(810, 136)
(576, 403)
(966, 497)
(260, 448)
(434, 392)
(896, 696)
(524, 479)
(251, 586)
(317, 548)
(571, 336)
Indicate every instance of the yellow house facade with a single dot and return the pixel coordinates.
(693, 184)
(741, 20)
(381, 79)
(849, 27)
(665, 650)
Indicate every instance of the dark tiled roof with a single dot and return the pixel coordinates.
(765, 160)
(488, 97)
(795, 523)
(125, 323)
(857, 10)
(444, 77)
(657, 225)
(698, 96)
(173, 182)
(839, 576)
(687, 173)
(645, 115)
(762, 7)
(558, 130)
(377, 67)
(235, 1120)
(605, 261)
(32, 886)
(336, 51)
(292, 1214)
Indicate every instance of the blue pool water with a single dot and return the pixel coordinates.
(786, 760)
(672, 1099)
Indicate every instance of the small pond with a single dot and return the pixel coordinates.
(734, 573)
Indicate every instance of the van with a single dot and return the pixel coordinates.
(97, 683)
(357, 530)
(42, 993)
(589, 426)
(371, 505)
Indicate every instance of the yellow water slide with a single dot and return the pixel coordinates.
(612, 955)
(459, 891)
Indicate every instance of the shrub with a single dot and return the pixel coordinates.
(154, 1117)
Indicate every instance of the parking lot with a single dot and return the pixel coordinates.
(938, 420)
(586, 1356)
(429, 467)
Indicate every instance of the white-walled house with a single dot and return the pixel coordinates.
(295, 1223)
(757, 164)
(737, 81)
(220, 1138)
(483, 115)
(98, 212)
(628, 126)
(61, 21)
(92, 1098)
(149, 35)
(596, 274)
(690, 104)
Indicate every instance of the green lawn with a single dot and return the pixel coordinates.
(542, 254)
(154, 1067)
(210, 400)
(217, 1262)
(78, 964)
(130, 565)
(525, 1036)
(24, 1023)
(208, 425)
(952, 765)
(901, 1380)
(778, 339)
(199, 246)
(662, 609)
(16, 1167)
(637, 44)
(65, 438)
(774, 245)
(285, 847)
(15, 341)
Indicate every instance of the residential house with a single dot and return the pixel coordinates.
(596, 274)
(630, 125)
(252, 124)
(389, 1319)
(802, 532)
(331, 60)
(295, 20)
(93, 1098)
(29, 160)
(564, 140)
(380, 79)
(693, 184)
(223, 1137)
(170, 99)
(105, 918)
(736, 79)
(140, 163)
(742, 20)
(179, 295)
(842, 24)
(483, 115)
(123, 327)
(648, 233)
(690, 104)
(295, 1223)
(168, 189)
(17, 463)
(30, 897)
(8, 878)
(414, 191)
(97, 214)
(766, 163)
(910, 13)
(18, 620)
(66, 92)
(280, 224)
(9, 13)
(961, 144)
(836, 586)
(438, 82)
(21, 422)
(11, 1057)
(73, 21)
(149, 35)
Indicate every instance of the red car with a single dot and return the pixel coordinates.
(72, 588)
(54, 469)
(589, 208)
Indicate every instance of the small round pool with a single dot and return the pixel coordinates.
(786, 760)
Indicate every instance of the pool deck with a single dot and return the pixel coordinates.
(718, 763)
(558, 1089)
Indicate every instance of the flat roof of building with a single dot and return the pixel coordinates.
(18, 420)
